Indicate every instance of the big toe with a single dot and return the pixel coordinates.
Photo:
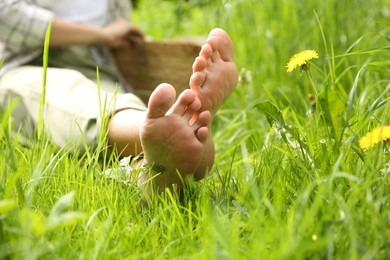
(161, 100)
(220, 41)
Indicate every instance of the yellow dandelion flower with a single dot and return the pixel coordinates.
(300, 60)
(379, 134)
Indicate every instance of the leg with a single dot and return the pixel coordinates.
(124, 131)
(72, 109)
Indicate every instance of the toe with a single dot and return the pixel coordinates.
(192, 109)
(204, 119)
(202, 134)
(221, 42)
(161, 100)
(184, 100)
(206, 52)
(197, 79)
(201, 125)
(200, 64)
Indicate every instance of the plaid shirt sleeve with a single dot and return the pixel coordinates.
(22, 25)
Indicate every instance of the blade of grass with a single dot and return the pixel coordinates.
(43, 96)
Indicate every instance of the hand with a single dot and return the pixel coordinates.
(121, 33)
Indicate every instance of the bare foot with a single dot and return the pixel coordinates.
(214, 79)
(169, 140)
(215, 74)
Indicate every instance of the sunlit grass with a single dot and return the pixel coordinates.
(294, 184)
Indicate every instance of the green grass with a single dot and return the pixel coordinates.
(298, 190)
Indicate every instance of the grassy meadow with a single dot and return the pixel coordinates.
(289, 181)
